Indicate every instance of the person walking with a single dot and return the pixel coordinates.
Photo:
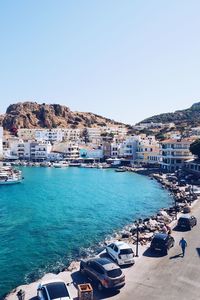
(183, 245)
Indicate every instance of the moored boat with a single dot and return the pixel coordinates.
(9, 175)
(120, 169)
(61, 164)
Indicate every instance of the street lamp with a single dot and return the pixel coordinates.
(137, 241)
(175, 207)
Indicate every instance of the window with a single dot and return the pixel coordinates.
(114, 273)
(43, 293)
(115, 248)
(126, 251)
(98, 269)
(111, 246)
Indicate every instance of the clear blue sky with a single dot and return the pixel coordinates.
(122, 59)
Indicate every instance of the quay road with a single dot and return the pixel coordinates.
(170, 277)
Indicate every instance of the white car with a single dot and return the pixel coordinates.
(121, 253)
(54, 289)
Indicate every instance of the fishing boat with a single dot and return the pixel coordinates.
(9, 175)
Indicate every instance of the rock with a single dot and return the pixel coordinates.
(34, 115)
(126, 235)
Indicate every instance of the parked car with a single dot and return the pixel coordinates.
(121, 253)
(182, 182)
(195, 190)
(186, 222)
(104, 272)
(55, 289)
(162, 242)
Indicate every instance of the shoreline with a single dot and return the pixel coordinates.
(127, 234)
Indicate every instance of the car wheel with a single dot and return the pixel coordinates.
(116, 261)
(100, 286)
(165, 251)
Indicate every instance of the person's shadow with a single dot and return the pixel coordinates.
(176, 256)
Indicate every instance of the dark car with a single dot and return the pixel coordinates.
(186, 222)
(104, 272)
(182, 182)
(51, 290)
(162, 242)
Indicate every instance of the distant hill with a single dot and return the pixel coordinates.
(189, 117)
(34, 115)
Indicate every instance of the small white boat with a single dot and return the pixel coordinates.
(61, 164)
(120, 169)
(10, 176)
(45, 164)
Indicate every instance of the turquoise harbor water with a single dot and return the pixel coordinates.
(56, 215)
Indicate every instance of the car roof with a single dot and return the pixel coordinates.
(121, 245)
(106, 263)
(161, 236)
(57, 290)
(185, 217)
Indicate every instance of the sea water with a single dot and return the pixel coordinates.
(57, 215)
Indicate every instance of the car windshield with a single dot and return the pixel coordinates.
(114, 273)
(126, 251)
(183, 220)
(158, 241)
(57, 290)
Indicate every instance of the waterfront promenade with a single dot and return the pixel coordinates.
(169, 277)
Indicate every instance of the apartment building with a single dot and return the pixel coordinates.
(71, 134)
(174, 153)
(72, 151)
(52, 135)
(1, 142)
(40, 151)
(26, 134)
(148, 150)
(127, 148)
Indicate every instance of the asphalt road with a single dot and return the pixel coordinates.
(170, 277)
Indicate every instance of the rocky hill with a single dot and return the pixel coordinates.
(34, 115)
(188, 117)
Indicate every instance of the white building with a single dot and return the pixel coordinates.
(115, 150)
(71, 151)
(175, 153)
(71, 134)
(94, 134)
(26, 134)
(16, 147)
(195, 131)
(54, 156)
(27, 150)
(40, 151)
(52, 135)
(128, 148)
(148, 150)
(1, 142)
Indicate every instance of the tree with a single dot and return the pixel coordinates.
(195, 148)
(85, 135)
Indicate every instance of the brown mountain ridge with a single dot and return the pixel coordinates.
(33, 115)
